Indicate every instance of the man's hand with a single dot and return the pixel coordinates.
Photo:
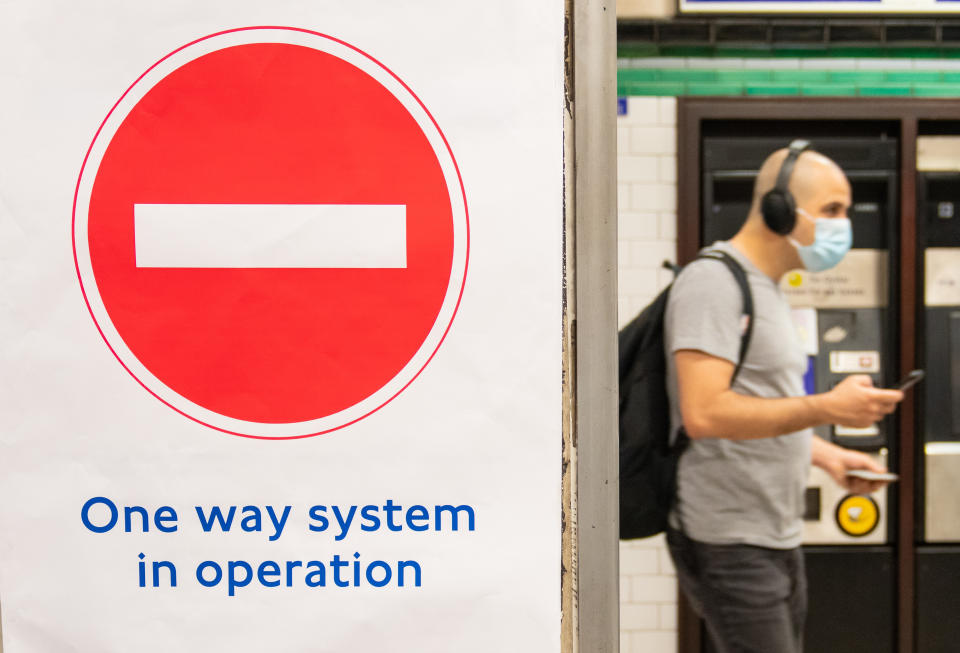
(836, 461)
(856, 402)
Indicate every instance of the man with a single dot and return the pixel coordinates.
(737, 524)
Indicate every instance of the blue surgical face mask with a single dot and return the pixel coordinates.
(832, 240)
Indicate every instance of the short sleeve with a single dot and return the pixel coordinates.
(704, 311)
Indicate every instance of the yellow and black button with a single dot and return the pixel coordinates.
(857, 515)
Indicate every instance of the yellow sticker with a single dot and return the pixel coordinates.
(795, 279)
(857, 515)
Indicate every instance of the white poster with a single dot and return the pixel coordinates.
(281, 318)
(942, 267)
(762, 7)
(858, 281)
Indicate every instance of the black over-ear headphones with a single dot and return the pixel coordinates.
(778, 207)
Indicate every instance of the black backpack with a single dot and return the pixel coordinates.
(648, 461)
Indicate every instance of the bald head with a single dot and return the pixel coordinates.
(814, 178)
(819, 189)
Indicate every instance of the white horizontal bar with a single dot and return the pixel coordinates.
(942, 449)
(270, 235)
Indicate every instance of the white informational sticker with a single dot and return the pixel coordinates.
(281, 355)
(849, 7)
(858, 281)
(852, 431)
(938, 153)
(805, 321)
(855, 362)
(942, 276)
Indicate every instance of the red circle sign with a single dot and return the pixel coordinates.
(271, 232)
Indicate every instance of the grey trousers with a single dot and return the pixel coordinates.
(753, 599)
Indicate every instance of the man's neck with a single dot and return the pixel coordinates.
(771, 253)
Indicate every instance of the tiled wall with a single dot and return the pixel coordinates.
(647, 189)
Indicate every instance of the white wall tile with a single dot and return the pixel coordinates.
(637, 225)
(639, 561)
(884, 64)
(636, 616)
(652, 254)
(787, 63)
(666, 566)
(641, 111)
(655, 542)
(668, 169)
(654, 589)
(625, 313)
(936, 64)
(827, 63)
(653, 140)
(630, 306)
(623, 136)
(668, 617)
(659, 62)
(624, 200)
(667, 110)
(654, 642)
(653, 197)
(667, 226)
(636, 281)
(642, 168)
(717, 62)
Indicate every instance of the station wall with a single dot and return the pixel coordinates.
(647, 217)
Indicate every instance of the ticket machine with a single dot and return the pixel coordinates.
(846, 320)
(938, 553)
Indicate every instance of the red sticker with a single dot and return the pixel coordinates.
(271, 232)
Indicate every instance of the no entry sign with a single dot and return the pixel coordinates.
(271, 233)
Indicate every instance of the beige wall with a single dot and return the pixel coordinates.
(646, 8)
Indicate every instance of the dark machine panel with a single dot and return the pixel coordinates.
(730, 166)
(938, 617)
(938, 206)
(939, 200)
(942, 385)
(852, 600)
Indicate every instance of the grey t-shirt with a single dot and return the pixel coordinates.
(739, 491)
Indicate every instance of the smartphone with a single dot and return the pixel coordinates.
(867, 475)
(907, 382)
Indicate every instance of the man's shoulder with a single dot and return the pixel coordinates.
(704, 277)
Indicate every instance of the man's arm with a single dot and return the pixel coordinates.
(710, 409)
(837, 461)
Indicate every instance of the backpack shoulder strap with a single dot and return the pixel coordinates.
(740, 275)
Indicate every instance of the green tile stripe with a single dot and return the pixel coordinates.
(829, 90)
(915, 76)
(761, 82)
(936, 90)
(801, 76)
(885, 90)
(858, 76)
(715, 88)
(773, 88)
(745, 75)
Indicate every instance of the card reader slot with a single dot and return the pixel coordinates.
(954, 354)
